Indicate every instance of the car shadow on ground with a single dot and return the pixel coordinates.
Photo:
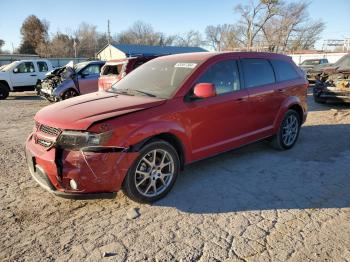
(258, 177)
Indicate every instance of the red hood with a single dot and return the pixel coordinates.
(80, 112)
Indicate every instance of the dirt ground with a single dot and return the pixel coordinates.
(251, 204)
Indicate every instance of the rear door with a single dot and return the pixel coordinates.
(264, 97)
(42, 68)
(88, 78)
(24, 75)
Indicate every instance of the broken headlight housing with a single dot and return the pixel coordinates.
(76, 140)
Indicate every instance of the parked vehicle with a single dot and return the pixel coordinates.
(309, 64)
(114, 70)
(315, 73)
(69, 81)
(333, 84)
(171, 111)
(22, 76)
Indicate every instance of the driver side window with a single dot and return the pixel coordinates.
(224, 75)
(91, 70)
(26, 67)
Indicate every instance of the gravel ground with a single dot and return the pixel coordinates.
(251, 204)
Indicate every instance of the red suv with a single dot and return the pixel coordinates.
(167, 113)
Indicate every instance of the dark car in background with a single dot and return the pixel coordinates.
(333, 82)
(69, 81)
(309, 64)
(114, 70)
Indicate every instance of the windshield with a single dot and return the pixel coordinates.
(157, 78)
(9, 66)
(79, 66)
(310, 62)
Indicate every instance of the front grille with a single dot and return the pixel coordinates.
(43, 142)
(50, 130)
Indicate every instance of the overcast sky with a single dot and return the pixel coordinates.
(170, 17)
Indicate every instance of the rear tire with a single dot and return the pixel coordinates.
(288, 131)
(153, 173)
(4, 91)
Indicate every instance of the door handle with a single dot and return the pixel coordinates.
(281, 90)
(33, 75)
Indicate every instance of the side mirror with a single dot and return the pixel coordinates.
(204, 90)
(15, 70)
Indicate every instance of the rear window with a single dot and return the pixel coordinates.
(257, 72)
(112, 69)
(284, 70)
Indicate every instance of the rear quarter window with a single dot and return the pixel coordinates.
(257, 72)
(284, 70)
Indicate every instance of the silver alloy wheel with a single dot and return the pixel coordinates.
(290, 130)
(154, 173)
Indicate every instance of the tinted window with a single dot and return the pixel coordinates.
(284, 70)
(91, 70)
(224, 75)
(42, 66)
(257, 72)
(26, 67)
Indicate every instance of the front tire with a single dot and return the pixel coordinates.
(69, 94)
(288, 131)
(153, 173)
(4, 91)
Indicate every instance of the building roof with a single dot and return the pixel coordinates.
(137, 50)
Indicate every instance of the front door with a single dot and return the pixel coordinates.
(24, 75)
(218, 123)
(88, 79)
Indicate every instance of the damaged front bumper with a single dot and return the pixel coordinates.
(98, 173)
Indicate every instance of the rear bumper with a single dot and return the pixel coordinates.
(98, 175)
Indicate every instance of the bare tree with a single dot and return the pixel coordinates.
(253, 18)
(291, 28)
(222, 37)
(143, 34)
(190, 38)
(2, 43)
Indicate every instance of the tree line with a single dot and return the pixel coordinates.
(269, 25)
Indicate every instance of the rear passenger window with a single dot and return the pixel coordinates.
(224, 75)
(42, 66)
(257, 72)
(284, 70)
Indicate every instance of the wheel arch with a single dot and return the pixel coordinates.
(169, 137)
(293, 103)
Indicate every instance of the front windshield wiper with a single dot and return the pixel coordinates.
(145, 93)
(122, 92)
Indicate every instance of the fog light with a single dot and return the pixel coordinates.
(73, 184)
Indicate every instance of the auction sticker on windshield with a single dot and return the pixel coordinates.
(186, 65)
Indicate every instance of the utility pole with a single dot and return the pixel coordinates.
(108, 33)
(75, 48)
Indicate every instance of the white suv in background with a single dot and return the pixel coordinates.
(22, 75)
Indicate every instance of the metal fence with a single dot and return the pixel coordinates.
(56, 62)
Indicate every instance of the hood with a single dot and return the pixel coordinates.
(80, 112)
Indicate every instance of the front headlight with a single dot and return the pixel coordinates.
(76, 140)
